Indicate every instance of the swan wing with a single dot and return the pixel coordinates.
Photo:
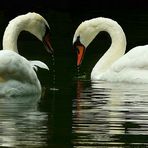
(15, 67)
(40, 64)
(136, 58)
(132, 67)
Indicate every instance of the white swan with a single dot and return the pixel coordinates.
(17, 74)
(114, 65)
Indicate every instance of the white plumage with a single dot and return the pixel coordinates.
(114, 65)
(17, 74)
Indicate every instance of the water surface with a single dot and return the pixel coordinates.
(110, 114)
(79, 115)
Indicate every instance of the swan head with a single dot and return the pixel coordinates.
(39, 27)
(31, 22)
(88, 30)
(83, 36)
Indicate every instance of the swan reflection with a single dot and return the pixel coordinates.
(110, 114)
(21, 124)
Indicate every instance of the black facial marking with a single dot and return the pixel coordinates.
(76, 43)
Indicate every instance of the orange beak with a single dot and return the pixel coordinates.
(46, 41)
(80, 54)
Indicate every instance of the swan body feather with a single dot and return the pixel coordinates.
(132, 67)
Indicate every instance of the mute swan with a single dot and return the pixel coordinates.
(114, 65)
(17, 74)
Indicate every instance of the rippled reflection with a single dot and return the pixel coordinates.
(20, 122)
(110, 114)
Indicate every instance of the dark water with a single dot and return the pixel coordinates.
(79, 114)
(110, 115)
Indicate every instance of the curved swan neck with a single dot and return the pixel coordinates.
(31, 22)
(117, 48)
(118, 39)
(11, 34)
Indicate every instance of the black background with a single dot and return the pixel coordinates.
(63, 18)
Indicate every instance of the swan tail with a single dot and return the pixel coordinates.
(35, 64)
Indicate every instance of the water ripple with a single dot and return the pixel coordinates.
(21, 125)
(110, 114)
